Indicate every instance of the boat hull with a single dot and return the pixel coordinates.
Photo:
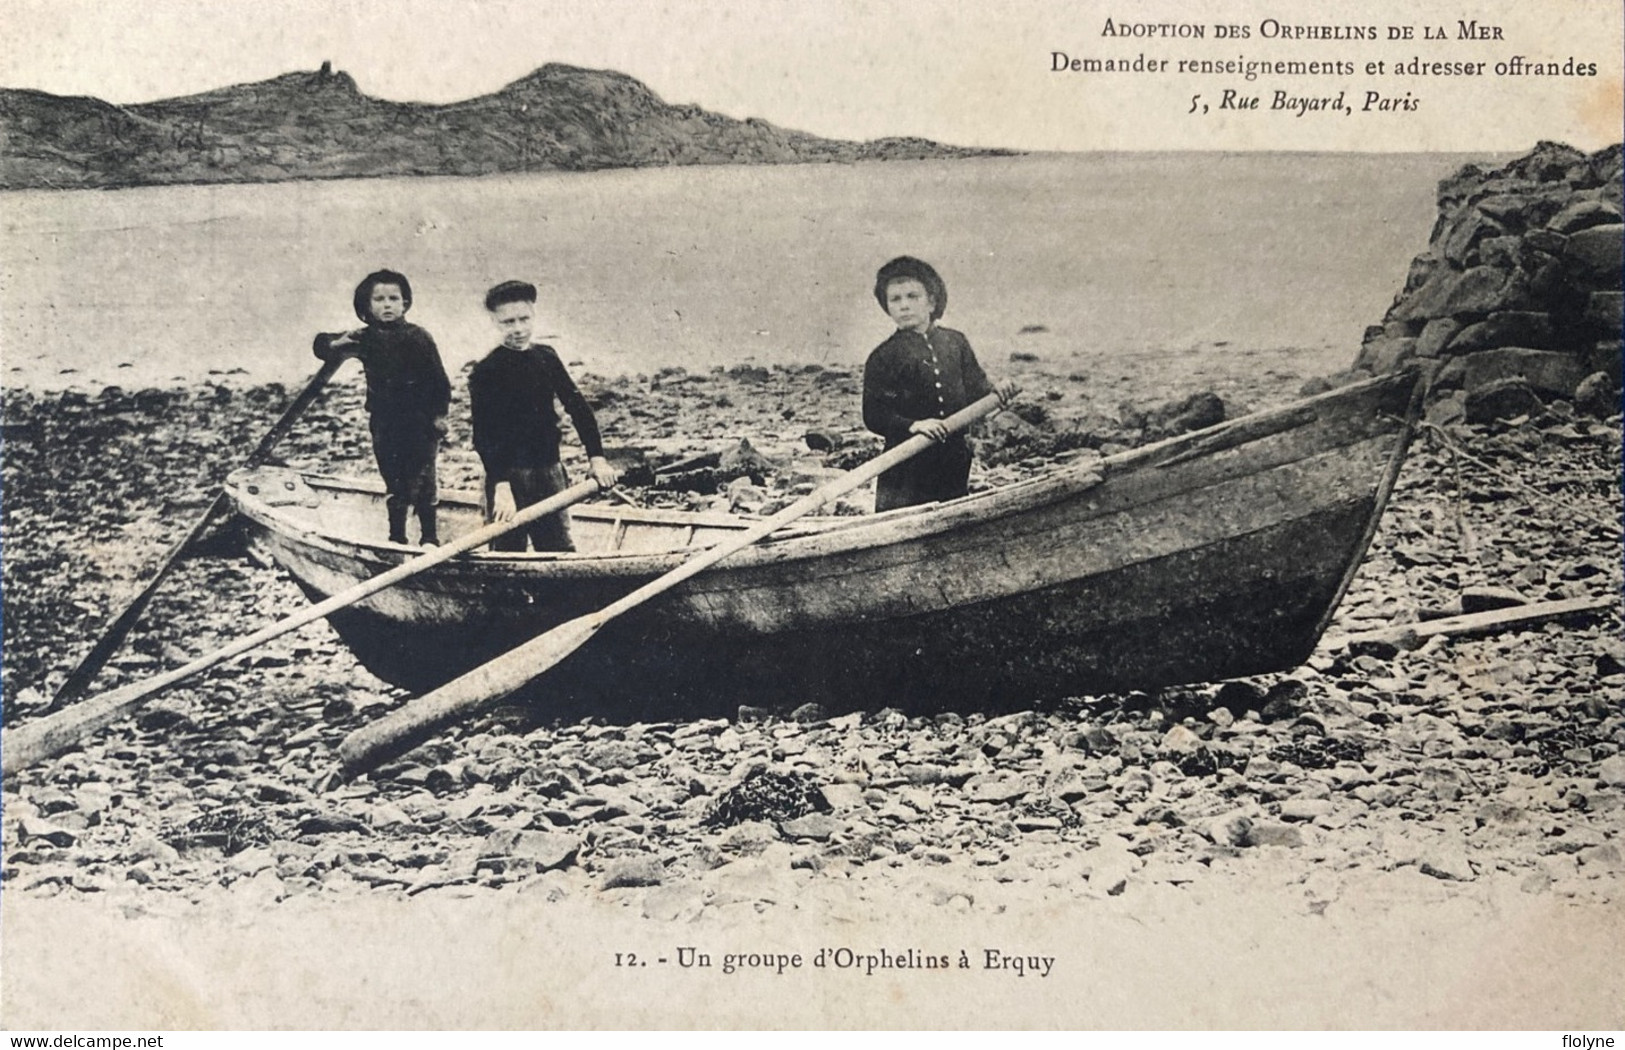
(1218, 554)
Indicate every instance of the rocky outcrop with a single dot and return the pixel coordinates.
(1517, 301)
(321, 125)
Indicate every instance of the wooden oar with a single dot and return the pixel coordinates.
(81, 676)
(404, 729)
(55, 733)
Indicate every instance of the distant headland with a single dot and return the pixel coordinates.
(320, 125)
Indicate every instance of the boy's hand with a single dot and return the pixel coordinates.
(350, 338)
(935, 429)
(1008, 391)
(603, 473)
(502, 504)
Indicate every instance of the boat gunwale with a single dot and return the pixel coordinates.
(858, 532)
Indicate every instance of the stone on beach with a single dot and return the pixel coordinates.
(1274, 835)
(1502, 399)
(545, 850)
(1597, 396)
(634, 872)
(1446, 859)
(1305, 809)
(995, 788)
(841, 796)
(31, 829)
(818, 826)
(1548, 374)
(1230, 829)
(1597, 248)
(1109, 865)
(674, 902)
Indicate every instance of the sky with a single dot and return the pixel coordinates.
(972, 72)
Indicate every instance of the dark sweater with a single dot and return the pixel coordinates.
(405, 379)
(511, 395)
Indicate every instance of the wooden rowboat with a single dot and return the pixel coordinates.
(1219, 553)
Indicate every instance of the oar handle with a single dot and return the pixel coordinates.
(55, 733)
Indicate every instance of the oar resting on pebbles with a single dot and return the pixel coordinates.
(80, 677)
(53, 734)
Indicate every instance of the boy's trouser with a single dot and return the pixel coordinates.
(531, 485)
(406, 453)
(939, 473)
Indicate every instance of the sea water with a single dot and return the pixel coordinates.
(1157, 257)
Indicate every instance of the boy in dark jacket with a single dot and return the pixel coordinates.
(916, 379)
(516, 428)
(407, 396)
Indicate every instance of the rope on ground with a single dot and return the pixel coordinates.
(1457, 452)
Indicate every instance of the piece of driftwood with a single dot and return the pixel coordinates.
(1477, 623)
(699, 462)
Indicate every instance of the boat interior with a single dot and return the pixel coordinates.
(351, 509)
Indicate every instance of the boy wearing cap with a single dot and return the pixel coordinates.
(516, 428)
(407, 396)
(916, 379)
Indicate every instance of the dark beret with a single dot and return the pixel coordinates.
(510, 292)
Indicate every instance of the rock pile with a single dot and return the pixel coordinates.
(1517, 301)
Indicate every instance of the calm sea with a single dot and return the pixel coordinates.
(1097, 256)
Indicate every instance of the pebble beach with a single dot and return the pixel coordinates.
(1421, 827)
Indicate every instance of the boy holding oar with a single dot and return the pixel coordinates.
(407, 396)
(916, 379)
(516, 428)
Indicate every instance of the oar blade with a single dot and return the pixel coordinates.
(46, 737)
(399, 732)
